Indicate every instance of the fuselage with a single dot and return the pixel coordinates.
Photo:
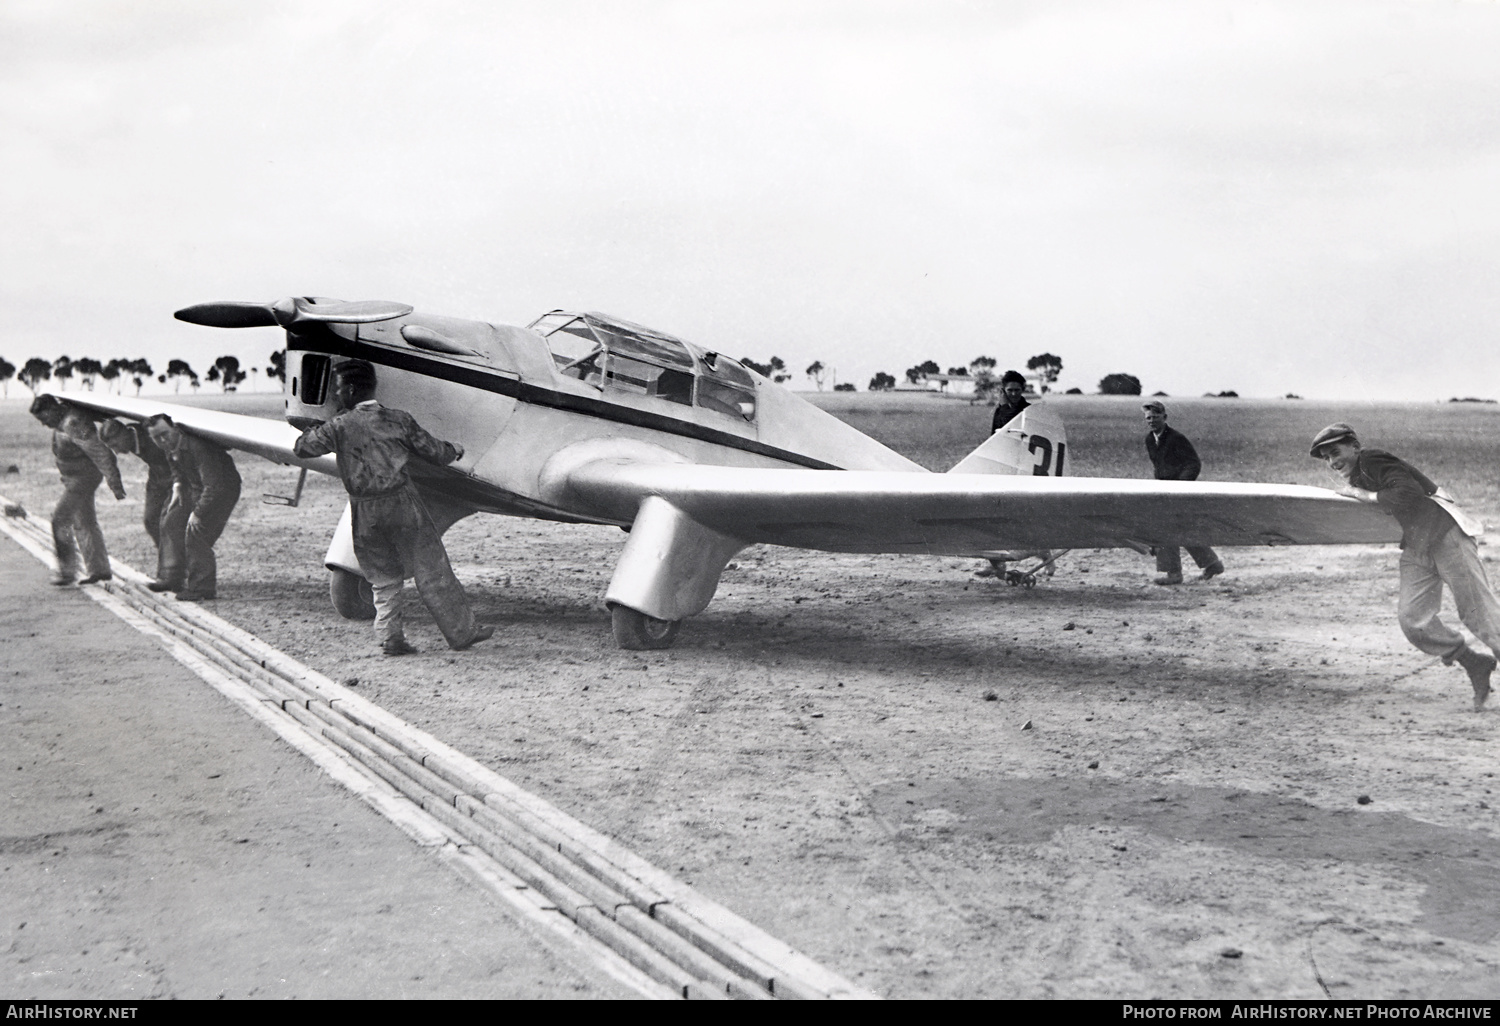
(570, 386)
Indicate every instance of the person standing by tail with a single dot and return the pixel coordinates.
(83, 461)
(1012, 403)
(1438, 546)
(1012, 400)
(394, 536)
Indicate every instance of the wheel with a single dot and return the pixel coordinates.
(351, 595)
(636, 631)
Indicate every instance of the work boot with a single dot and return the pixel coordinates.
(96, 578)
(1212, 570)
(163, 585)
(1169, 579)
(1479, 667)
(62, 579)
(995, 569)
(398, 647)
(481, 633)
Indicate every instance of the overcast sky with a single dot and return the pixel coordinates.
(1261, 196)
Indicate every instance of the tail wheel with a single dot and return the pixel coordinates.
(351, 595)
(636, 631)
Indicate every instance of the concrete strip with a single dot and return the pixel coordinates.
(636, 951)
(712, 973)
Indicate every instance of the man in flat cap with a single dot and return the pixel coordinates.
(1173, 458)
(394, 536)
(1438, 547)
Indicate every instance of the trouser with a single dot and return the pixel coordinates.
(157, 496)
(75, 528)
(1452, 560)
(189, 529)
(1169, 558)
(395, 538)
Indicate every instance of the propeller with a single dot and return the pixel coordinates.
(290, 311)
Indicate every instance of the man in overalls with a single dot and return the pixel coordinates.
(394, 536)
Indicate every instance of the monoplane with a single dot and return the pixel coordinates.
(587, 418)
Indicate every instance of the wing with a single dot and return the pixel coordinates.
(259, 435)
(963, 514)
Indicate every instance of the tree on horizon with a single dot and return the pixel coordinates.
(1120, 384)
(7, 371)
(87, 370)
(62, 370)
(1047, 368)
(921, 370)
(775, 369)
(35, 372)
(141, 372)
(816, 371)
(177, 370)
(226, 371)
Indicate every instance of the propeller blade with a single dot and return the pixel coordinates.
(290, 311)
(229, 315)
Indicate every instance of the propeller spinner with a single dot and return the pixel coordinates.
(288, 312)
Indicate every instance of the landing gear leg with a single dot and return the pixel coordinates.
(637, 632)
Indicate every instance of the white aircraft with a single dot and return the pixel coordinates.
(586, 418)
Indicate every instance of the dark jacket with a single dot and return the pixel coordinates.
(1403, 491)
(1005, 413)
(205, 473)
(1173, 458)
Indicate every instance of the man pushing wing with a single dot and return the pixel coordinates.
(1438, 547)
(394, 536)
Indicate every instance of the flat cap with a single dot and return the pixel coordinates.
(359, 372)
(46, 401)
(1332, 433)
(1154, 405)
(112, 431)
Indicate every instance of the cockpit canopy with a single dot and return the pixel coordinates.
(615, 355)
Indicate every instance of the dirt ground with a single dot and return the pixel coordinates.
(942, 786)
